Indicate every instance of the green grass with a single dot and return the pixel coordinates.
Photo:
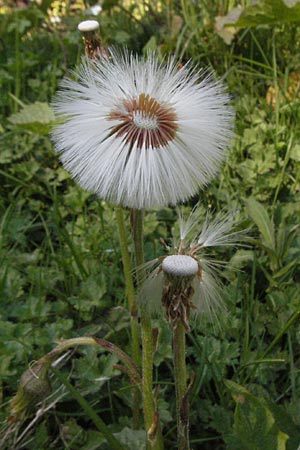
(61, 273)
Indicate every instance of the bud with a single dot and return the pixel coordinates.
(34, 387)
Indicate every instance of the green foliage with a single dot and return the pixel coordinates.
(254, 423)
(269, 12)
(36, 118)
(61, 272)
(260, 217)
(132, 439)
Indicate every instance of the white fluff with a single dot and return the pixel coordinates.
(208, 289)
(180, 265)
(88, 25)
(125, 174)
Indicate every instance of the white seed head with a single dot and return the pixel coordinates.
(88, 25)
(180, 265)
(140, 132)
(143, 121)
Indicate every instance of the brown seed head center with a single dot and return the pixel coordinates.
(145, 122)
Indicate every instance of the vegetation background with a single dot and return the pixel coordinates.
(61, 273)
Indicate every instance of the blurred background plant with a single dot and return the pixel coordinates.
(61, 274)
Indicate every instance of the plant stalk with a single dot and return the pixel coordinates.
(154, 437)
(182, 403)
(132, 306)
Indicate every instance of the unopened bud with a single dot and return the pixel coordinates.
(34, 387)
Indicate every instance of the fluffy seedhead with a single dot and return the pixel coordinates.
(189, 279)
(140, 132)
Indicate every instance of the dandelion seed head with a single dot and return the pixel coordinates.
(180, 265)
(144, 122)
(139, 132)
(88, 25)
(191, 284)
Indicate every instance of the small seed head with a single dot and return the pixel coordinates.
(180, 266)
(178, 291)
(88, 26)
(90, 35)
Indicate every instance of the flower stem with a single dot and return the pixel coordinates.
(182, 405)
(135, 348)
(152, 427)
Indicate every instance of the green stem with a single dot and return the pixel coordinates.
(17, 63)
(152, 427)
(184, 12)
(65, 344)
(182, 405)
(132, 306)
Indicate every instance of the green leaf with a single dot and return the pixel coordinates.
(286, 269)
(225, 32)
(286, 422)
(133, 439)
(268, 12)
(254, 423)
(265, 225)
(36, 117)
(295, 153)
(130, 366)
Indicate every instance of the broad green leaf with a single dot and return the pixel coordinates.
(286, 269)
(268, 12)
(133, 439)
(36, 117)
(295, 153)
(225, 32)
(130, 366)
(254, 423)
(260, 217)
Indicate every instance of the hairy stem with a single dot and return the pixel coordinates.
(150, 417)
(182, 405)
(135, 348)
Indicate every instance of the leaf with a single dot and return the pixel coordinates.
(241, 257)
(295, 153)
(286, 422)
(133, 439)
(176, 25)
(225, 32)
(254, 423)
(286, 269)
(150, 45)
(36, 117)
(131, 367)
(260, 217)
(268, 12)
